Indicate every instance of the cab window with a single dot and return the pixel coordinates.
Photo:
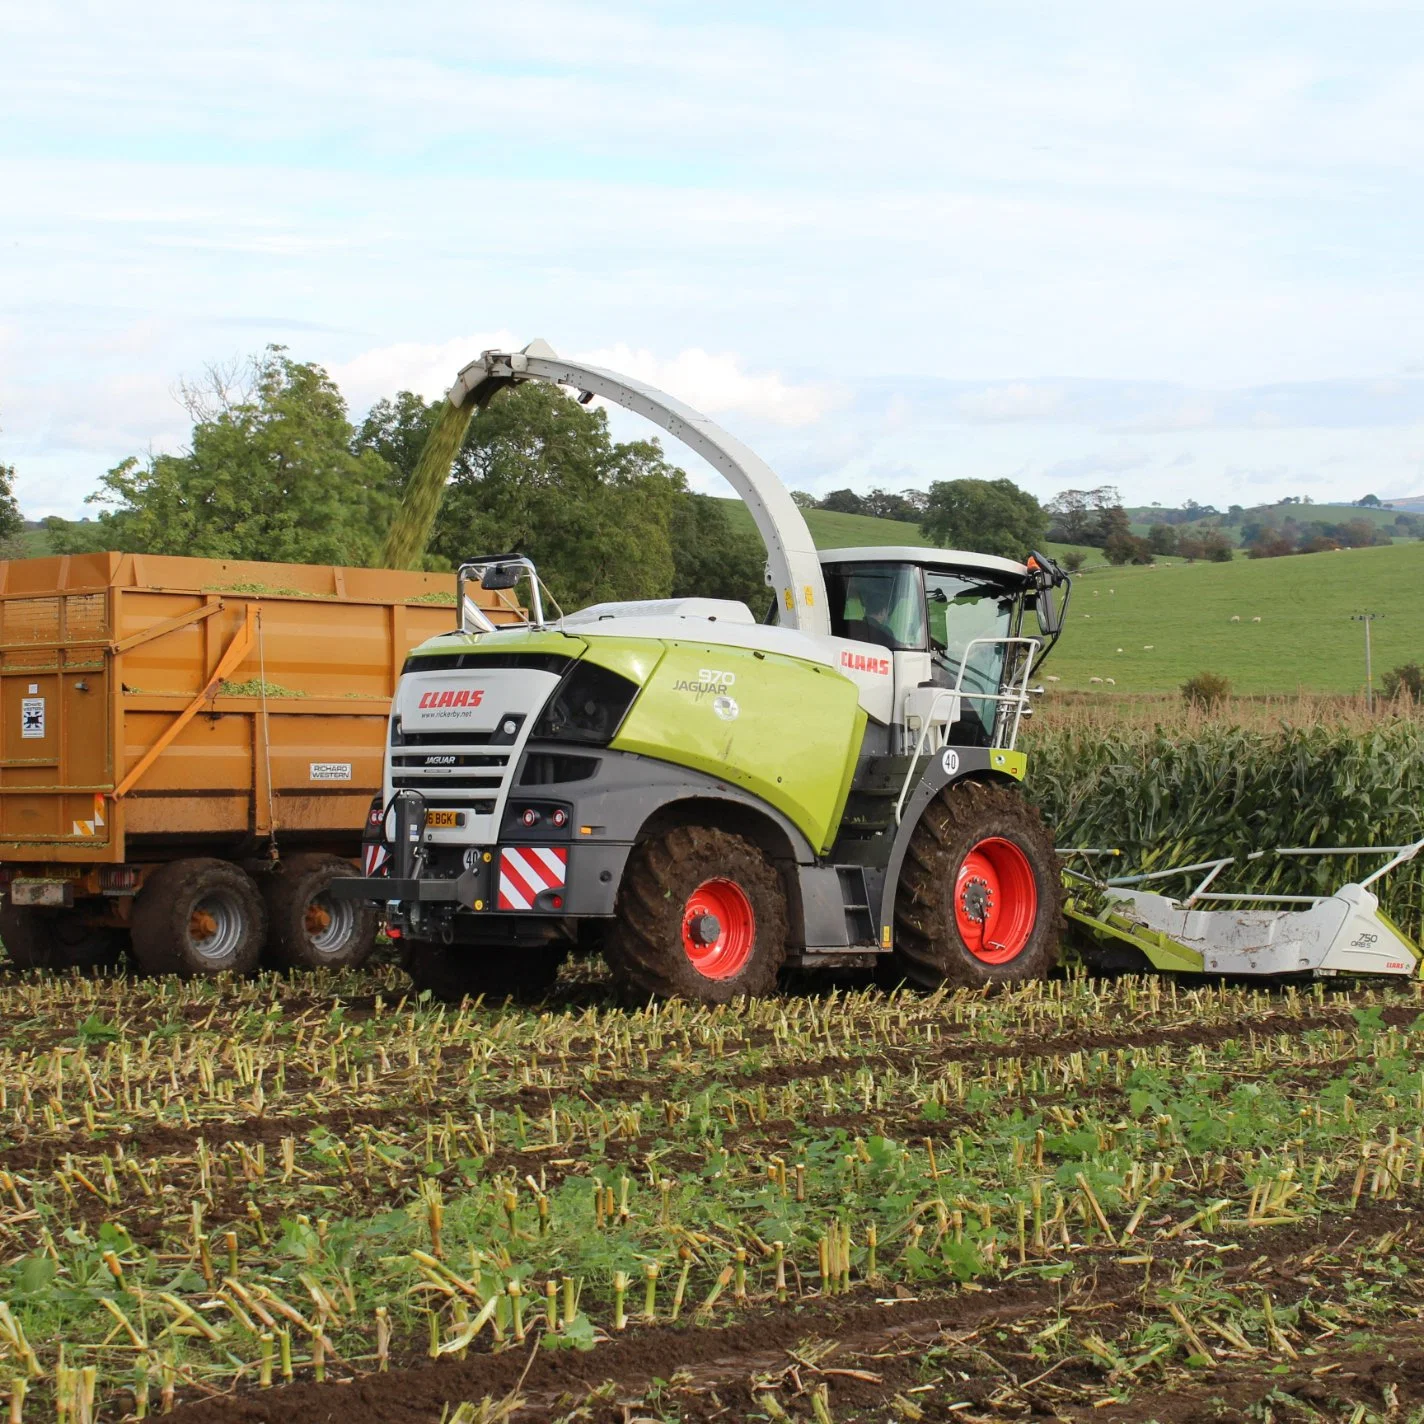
(877, 603)
(963, 608)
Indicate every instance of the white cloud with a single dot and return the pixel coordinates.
(718, 382)
(425, 368)
(714, 383)
(1188, 413)
(1013, 403)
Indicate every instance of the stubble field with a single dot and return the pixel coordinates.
(1122, 1200)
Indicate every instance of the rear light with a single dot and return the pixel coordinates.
(530, 817)
(118, 877)
(559, 817)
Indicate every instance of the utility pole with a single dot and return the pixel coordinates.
(1367, 618)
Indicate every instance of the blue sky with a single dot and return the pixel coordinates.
(1176, 249)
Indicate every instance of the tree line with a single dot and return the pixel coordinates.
(277, 469)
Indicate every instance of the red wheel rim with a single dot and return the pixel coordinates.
(718, 929)
(995, 900)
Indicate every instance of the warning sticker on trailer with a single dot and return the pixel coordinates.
(32, 716)
(331, 771)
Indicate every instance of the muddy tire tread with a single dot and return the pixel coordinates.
(286, 890)
(159, 922)
(929, 951)
(643, 946)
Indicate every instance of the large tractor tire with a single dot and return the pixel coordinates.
(307, 926)
(701, 915)
(58, 939)
(452, 972)
(199, 917)
(981, 894)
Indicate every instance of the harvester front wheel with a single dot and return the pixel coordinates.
(199, 917)
(452, 972)
(701, 915)
(57, 939)
(307, 926)
(980, 894)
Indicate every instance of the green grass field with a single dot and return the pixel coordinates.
(1304, 641)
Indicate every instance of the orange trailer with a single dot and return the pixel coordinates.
(188, 753)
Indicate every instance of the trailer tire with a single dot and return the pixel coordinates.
(199, 917)
(57, 939)
(307, 928)
(980, 896)
(452, 972)
(701, 915)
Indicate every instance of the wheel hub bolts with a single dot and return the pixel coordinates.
(704, 929)
(977, 900)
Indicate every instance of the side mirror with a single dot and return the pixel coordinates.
(1047, 576)
(1047, 612)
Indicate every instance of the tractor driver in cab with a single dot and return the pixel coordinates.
(882, 606)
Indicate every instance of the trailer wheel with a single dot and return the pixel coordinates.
(307, 926)
(452, 972)
(199, 917)
(57, 939)
(980, 894)
(701, 915)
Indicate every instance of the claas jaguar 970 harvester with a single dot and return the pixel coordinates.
(707, 797)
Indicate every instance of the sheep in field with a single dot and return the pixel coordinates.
(1235, 617)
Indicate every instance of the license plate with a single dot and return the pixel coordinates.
(441, 820)
(41, 892)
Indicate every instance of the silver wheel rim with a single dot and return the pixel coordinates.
(330, 923)
(215, 925)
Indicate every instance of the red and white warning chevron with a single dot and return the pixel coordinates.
(525, 871)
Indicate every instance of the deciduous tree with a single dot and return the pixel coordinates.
(985, 516)
(270, 474)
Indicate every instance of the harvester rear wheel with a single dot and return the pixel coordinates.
(701, 915)
(199, 917)
(57, 939)
(452, 972)
(307, 926)
(981, 894)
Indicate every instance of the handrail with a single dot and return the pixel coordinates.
(1019, 698)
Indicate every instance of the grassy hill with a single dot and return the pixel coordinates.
(1305, 639)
